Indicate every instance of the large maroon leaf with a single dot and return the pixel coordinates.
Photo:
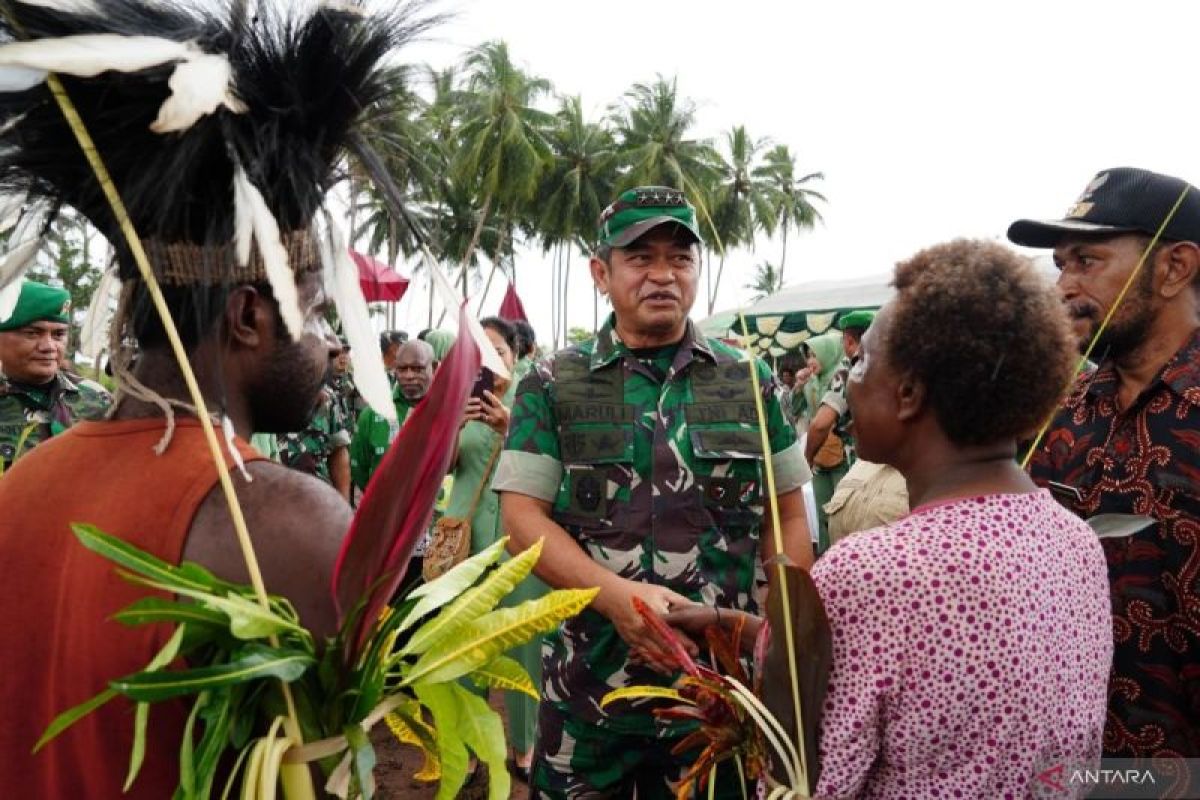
(397, 506)
(813, 647)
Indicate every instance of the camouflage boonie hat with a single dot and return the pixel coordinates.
(639, 210)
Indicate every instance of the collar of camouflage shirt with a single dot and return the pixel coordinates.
(609, 346)
(61, 384)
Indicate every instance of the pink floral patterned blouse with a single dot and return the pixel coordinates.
(971, 650)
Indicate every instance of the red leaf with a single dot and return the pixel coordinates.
(666, 637)
(724, 652)
(398, 504)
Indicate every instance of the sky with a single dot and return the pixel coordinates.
(930, 120)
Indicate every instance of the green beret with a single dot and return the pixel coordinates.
(39, 303)
(861, 319)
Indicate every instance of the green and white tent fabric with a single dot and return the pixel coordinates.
(779, 323)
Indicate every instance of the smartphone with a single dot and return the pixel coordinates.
(486, 382)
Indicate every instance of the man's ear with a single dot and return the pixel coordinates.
(599, 274)
(1178, 264)
(910, 398)
(248, 316)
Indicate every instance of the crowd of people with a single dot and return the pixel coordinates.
(955, 443)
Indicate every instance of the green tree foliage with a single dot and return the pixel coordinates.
(767, 280)
(488, 158)
(75, 259)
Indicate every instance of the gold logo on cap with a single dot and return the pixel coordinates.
(1079, 210)
(1081, 206)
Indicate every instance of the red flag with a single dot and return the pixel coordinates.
(510, 306)
(380, 283)
(397, 506)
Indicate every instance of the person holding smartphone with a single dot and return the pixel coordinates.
(485, 424)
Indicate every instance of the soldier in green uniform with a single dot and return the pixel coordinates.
(413, 370)
(322, 448)
(832, 418)
(37, 398)
(637, 457)
(345, 393)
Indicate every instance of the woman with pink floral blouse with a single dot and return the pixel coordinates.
(971, 638)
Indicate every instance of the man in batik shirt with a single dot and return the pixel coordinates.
(1127, 440)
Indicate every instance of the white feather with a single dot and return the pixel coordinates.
(235, 454)
(12, 269)
(198, 86)
(341, 280)
(10, 210)
(75, 6)
(93, 334)
(89, 54)
(489, 357)
(243, 217)
(18, 79)
(9, 295)
(251, 209)
(23, 247)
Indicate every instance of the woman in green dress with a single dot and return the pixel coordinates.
(484, 428)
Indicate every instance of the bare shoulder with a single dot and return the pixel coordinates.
(296, 523)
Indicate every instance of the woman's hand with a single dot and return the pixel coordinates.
(490, 411)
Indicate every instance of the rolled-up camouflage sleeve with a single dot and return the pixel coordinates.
(787, 459)
(530, 463)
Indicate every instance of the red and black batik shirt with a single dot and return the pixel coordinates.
(1099, 459)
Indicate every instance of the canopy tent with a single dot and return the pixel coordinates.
(778, 324)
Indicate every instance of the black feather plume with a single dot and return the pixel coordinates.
(305, 76)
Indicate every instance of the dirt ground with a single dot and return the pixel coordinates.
(396, 765)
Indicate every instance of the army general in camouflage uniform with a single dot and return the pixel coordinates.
(637, 457)
(37, 398)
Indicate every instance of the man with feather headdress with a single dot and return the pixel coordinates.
(222, 133)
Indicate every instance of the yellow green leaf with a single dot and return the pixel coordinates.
(492, 634)
(408, 727)
(447, 712)
(644, 693)
(474, 602)
(503, 672)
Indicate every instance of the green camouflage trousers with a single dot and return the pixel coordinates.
(578, 761)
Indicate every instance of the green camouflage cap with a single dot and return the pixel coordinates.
(38, 303)
(861, 319)
(639, 210)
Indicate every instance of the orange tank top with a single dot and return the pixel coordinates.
(58, 646)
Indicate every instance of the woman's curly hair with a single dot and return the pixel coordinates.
(985, 334)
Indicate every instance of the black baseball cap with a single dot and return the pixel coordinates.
(1120, 200)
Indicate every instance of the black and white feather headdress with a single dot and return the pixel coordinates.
(223, 128)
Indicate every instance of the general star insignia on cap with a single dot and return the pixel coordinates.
(39, 303)
(637, 211)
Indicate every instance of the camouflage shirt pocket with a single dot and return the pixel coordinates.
(596, 460)
(728, 466)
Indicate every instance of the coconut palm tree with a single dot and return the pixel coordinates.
(400, 136)
(651, 128)
(501, 147)
(740, 198)
(572, 193)
(766, 281)
(790, 198)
